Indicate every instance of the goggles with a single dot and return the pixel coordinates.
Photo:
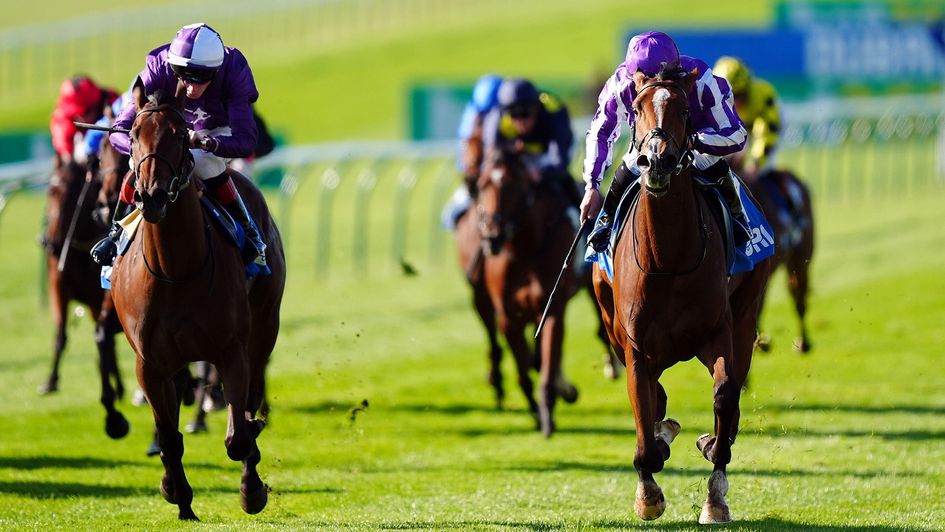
(193, 75)
(522, 111)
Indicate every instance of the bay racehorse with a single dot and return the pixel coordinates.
(72, 276)
(523, 233)
(794, 229)
(671, 298)
(182, 296)
(471, 249)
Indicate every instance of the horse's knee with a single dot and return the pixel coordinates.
(726, 396)
(172, 445)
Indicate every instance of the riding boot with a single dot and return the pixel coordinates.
(225, 192)
(106, 249)
(730, 193)
(599, 238)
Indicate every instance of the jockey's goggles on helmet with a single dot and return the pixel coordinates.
(521, 111)
(193, 75)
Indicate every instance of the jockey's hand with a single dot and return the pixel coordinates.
(590, 205)
(202, 141)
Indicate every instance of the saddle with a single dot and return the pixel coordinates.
(233, 232)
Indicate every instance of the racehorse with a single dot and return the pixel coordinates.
(523, 233)
(671, 296)
(73, 276)
(471, 251)
(182, 296)
(795, 246)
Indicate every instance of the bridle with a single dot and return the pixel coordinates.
(684, 150)
(685, 160)
(180, 171)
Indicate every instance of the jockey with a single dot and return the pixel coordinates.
(80, 100)
(485, 98)
(757, 104)
(715, 131)
(220, 92)
(91, 144)
(468, 159)
(539, 124)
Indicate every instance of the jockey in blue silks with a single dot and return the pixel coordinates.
(715, 131)
(220, 92)
(484, 99)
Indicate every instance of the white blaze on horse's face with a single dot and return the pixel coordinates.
(496, 176)
(660, 98)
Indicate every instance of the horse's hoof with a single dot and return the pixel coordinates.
(714, 514)
(186, 514)
(650, 502)
(763, 343)
(802, 346)
(154, 449)
(196, 427)
(167, 490)
(667, 430)
(116, 426)
(569, 394)
(704, 444)
(138, 398)
(610, 370)
(255, 501)
(47, 388)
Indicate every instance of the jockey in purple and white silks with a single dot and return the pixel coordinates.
(715, 131)
(220, 92)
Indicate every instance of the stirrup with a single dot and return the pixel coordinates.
(599, 238)
(105, 250)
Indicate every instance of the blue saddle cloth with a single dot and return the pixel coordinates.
(740, 259)
(233, 231)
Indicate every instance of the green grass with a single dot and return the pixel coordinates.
(846, 438)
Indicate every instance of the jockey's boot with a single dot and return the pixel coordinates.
(729, 190)
(599, 238)
(225, 192)
(106, 249)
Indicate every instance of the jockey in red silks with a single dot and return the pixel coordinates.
(80, 100)
(715, 131)
(220, 92)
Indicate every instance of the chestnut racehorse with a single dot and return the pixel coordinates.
(182, 296)
(73, 276)
(524, 233)
(672, 299)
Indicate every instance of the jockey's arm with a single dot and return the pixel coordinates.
(603, 132)
(766, 130)
(718, 128)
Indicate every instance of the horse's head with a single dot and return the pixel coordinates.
(160, 152)
(112, 166)
(661, 120)
(505, 193)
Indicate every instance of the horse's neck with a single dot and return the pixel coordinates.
(177, 246)
(668, 229)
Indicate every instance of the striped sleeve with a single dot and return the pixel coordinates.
(603, 132)
(719, 130)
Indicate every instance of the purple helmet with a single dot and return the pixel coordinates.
(196, 52)
(648, 52)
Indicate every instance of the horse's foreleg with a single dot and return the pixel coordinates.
(163, 400)
(235, 374)
(199, 423)
(798, 285)
(718, 449)
(116, 426)
(59, 305)
(515, 336)
(487, 314)
(552, 335)
(648, 458)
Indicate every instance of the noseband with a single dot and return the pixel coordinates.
(181, 173)
(684, 150)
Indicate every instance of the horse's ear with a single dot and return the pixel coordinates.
(140, 97)
(180, 95)
(689, 80)
(639, 79)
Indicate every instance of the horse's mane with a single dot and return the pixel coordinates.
(160, 97)
(671, 72)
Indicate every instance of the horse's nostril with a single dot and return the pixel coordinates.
(643, 161)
